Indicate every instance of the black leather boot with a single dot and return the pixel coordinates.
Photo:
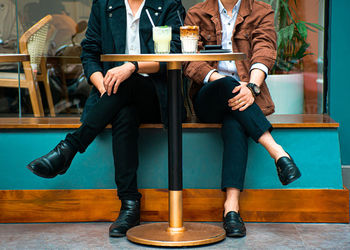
(129, 217)
(287, 170)
(57, 161)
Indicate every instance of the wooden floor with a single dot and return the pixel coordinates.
(277, 121)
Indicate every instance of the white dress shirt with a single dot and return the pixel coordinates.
(132, 44)
(228, 68)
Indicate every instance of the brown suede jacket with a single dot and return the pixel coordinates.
(254, 34)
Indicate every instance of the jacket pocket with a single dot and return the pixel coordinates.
(208, 37)
(243, 42)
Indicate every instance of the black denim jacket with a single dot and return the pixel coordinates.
(106, 34)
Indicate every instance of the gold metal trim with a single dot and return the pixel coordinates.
(173, 57)
(174, 65)
(175, 210)
(157, 234)
(176, 229)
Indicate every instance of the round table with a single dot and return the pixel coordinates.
(14, 58)
(175, 233)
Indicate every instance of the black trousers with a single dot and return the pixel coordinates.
(135, 102)
(211, 106)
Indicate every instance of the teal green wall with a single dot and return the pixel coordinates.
(316, 151)
(339, 79)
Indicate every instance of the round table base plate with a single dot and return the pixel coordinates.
(195, 234)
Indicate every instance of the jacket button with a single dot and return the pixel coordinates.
(110, 14)
(110, 7)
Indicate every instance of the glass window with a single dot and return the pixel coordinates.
(8, 45)
(296, 81)
(53, 83)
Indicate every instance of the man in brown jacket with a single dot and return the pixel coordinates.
(235, 93)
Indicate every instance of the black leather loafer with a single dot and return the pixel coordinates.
(129, 217)
(234, 225)
(287, 170)
(57, 161)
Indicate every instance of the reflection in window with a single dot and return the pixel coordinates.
(296, 84)
(300, 90)
(60, 60)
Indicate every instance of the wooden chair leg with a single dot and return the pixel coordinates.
(47, 89)
(35, 99)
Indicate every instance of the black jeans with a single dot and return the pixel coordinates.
(211, 106)
(135, 102)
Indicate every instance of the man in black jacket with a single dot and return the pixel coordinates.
(124, 94)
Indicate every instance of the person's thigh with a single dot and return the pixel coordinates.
(211, 102)
(136, 91)
(146, 101)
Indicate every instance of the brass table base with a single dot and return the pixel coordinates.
(157, 234)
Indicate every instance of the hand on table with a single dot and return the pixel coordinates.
(116, 76)
(243, 99)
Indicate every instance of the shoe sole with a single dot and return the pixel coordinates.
(116, 235)
(297, 176)
(39, 174)
(45, 176)
(289, 181)
(236, 235)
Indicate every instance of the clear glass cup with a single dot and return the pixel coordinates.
(162, 38)
(189, 36)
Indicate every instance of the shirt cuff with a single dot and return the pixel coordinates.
(206, 79)
(262, 67)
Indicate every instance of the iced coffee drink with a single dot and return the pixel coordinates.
(189, 39)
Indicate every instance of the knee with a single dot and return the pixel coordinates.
(228, 83)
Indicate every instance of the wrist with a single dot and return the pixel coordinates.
(254, 88)
(135, 66)
(212, 76)
(101, 89)
(254, 82)
(215, 76)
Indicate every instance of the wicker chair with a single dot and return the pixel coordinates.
(34, 42)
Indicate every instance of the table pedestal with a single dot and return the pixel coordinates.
(194, 234)
(175, 233)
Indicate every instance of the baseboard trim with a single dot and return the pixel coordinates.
(266, 205)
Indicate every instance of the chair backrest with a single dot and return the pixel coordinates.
(34, 41)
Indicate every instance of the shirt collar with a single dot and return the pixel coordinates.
(234, 10)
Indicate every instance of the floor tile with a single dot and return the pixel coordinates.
(95, 236)
(325, 236)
